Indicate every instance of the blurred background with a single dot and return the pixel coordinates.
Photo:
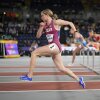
(19, 20)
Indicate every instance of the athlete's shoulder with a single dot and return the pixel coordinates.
(58, 21)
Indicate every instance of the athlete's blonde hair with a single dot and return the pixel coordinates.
(50, 13)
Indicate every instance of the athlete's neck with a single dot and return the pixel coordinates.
(49, 21)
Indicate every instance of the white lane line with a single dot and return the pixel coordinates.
(48, 81)
(78, 90)
(41, 67)
(50, 75)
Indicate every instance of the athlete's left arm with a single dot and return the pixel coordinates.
(63, 22)
(83, 41)
(78, 35)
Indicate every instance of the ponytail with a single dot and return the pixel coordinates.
(55, 16)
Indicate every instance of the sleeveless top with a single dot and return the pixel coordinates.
(78, 40)
(52, 34)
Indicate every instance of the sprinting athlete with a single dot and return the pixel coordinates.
(80, 44)
(51, 27)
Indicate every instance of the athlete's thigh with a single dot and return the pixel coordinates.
(46, 50)
(58, 60)
(42, 51)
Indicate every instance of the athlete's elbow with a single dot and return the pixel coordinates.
(71, 24)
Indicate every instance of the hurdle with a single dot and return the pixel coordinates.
(89, 58)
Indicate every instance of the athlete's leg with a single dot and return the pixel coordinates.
(42, 51)
(74, 53)
(59, 64)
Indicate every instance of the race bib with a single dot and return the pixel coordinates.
(49, 37)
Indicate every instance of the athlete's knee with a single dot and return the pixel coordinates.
(34, 53)
(62, 69)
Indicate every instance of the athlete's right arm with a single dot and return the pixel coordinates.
(40, 30)
(64, 22)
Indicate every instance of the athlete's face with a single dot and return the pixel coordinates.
(43, 16)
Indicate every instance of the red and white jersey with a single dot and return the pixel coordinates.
(52, 34)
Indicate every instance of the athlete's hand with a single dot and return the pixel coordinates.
(40, 30)
(42, 24)
(30, 49)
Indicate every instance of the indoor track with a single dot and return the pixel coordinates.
(48, 83)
